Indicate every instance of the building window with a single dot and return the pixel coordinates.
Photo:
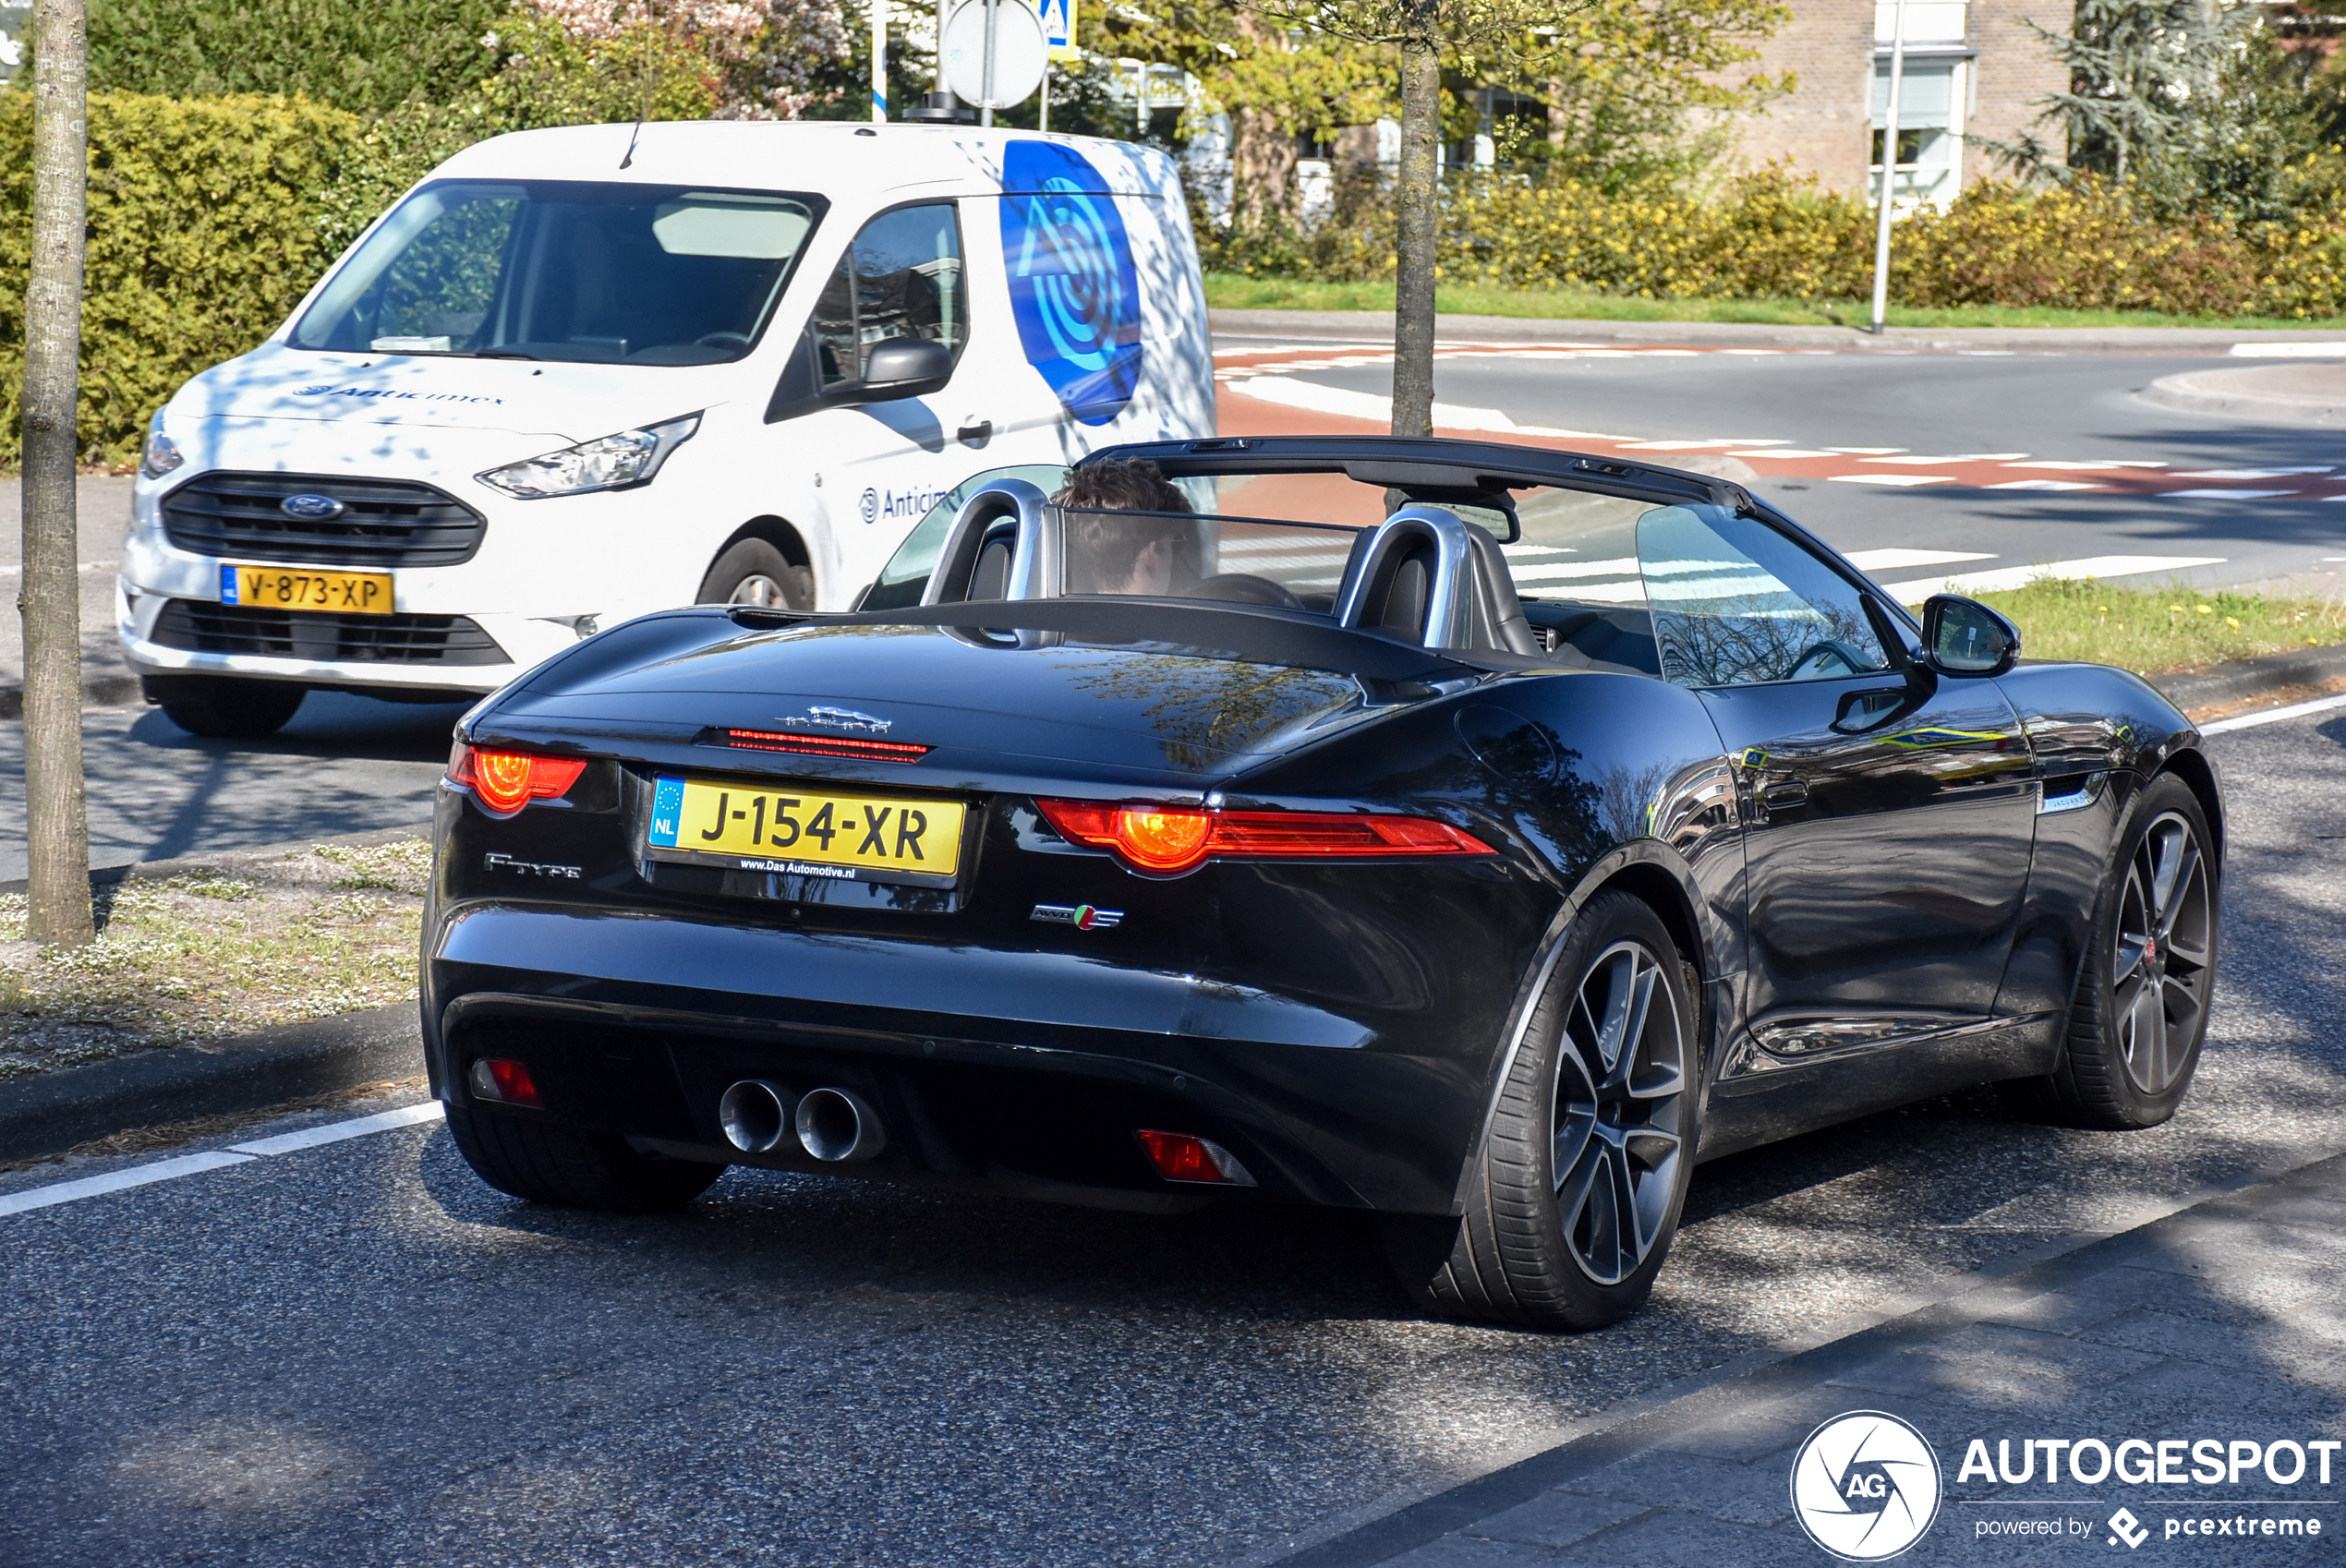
(1929, 132)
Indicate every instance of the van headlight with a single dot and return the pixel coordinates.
(162, 454)
(631, 457)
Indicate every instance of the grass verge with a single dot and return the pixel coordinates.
(2160, 631)
(259, 939)
(1230, 291)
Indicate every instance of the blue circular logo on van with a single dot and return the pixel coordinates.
(312, 508)
(1073, 290)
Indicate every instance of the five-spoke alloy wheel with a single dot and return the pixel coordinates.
(2143, 988)
(1571, 1201)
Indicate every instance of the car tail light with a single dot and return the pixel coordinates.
(497, 1078)
(506, 781)
(1175, 838)
(1181, 1156)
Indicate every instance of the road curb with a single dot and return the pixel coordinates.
(1377, 325)
(2246, 678)
(53, 1112)
(2268, 393)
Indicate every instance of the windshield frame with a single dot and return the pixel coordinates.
(339, 293)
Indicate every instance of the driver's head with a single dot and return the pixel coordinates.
(1113, 554)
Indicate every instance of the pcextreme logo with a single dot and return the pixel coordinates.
(1865, 1486)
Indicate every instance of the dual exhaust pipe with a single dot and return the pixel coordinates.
(836, 1125)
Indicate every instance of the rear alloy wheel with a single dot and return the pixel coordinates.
(1574, 1199)
(2141, 1009)
(228, 710)
(755, 571)
(570, 1167)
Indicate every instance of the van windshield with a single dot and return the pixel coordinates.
(605, 273)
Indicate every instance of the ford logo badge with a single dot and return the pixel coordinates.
(312, 508)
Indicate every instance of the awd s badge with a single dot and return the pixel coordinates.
(1083, 917)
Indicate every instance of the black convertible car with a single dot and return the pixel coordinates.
(1475, 834)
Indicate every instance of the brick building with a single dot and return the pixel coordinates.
(1973, 66)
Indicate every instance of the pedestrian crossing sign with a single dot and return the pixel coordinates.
(1058, 29)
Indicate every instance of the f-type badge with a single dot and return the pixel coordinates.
(844, 719)
(1083, 917)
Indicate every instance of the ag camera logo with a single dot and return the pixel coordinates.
(1866, 1486)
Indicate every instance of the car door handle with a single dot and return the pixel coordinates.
(974, 432)
(1861, 710)
(1784, 793)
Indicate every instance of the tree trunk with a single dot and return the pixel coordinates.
(1262, 159)
(1262, 152)
(1414, 213)
(57, 812)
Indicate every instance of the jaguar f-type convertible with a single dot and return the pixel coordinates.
(1475, 834)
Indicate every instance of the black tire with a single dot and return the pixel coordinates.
(2140, 1013)
(570, 1167)
(229, 711)
(755, 571)
(1578, 1249)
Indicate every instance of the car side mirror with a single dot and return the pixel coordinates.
(1962, 636)
(900, 368)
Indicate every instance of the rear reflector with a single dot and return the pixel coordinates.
(822, 745)
(496, 1078)
(506, 781)
(1181, 1156)
(1174, 839)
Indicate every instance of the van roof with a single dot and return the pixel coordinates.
(819, 156)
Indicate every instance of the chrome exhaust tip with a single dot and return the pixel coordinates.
(835, 1125)
(755, 1115)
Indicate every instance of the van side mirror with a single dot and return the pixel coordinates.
(1962, 636)
(896, 368)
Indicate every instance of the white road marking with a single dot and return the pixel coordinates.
(2252, 473)
(1958, 457)
(1876, 450)
(116, 1181)
(334, 1132)
(1894, 559)
(1788, 451)
(2081, 463)
(2222, 495)
(2332, 350)
(2045, 484)
(1921, 589)
(2273, 715)
(1890, 478)
(214, 1158)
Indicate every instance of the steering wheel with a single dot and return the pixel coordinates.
(1239, 587)
(722, 340)
(1826, 658)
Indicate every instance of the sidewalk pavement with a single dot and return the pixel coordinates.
(2220, 1321)
(1378, 326)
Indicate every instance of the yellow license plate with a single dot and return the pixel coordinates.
(307, 588)
(794, 831)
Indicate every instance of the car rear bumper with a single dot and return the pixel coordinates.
(1027, 1066)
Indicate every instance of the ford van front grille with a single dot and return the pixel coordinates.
(198, 626)
(321, 521)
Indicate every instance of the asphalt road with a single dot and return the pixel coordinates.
(2012, 459)
(359, 1354)
(344, 765)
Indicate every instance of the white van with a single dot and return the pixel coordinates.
(583, 373)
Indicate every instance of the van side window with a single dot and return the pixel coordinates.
(900, 279)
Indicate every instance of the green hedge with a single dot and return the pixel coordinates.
(1772, 235)
(208, 219)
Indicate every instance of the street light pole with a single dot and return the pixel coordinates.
(880, 62)
(1889, 170)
